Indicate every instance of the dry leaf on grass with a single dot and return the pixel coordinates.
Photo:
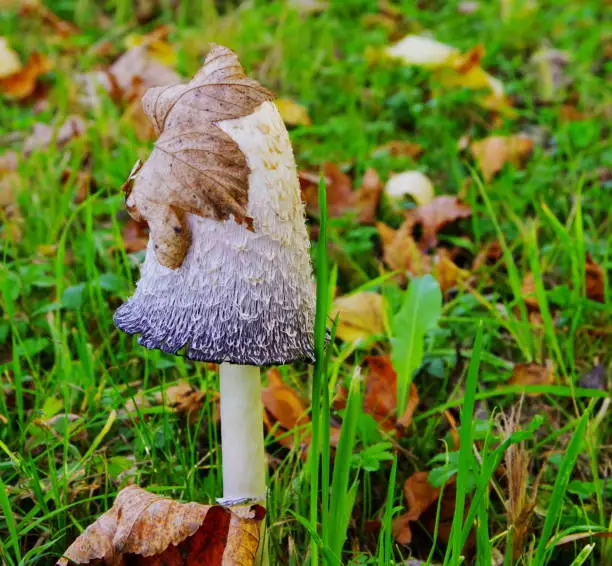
(9, 60)
(151, 530)
(489, 255)
(411, 183)
(360, 316)
(400, 148)
(340, 196)
(436, 214)
(367, 197)
(400, 250)
(183, 398)
(285, 411)
(595, 280)
(135, 236)
(448, 274)
(494, 152)
(533, 374)
(22, 83)
(528, 292)
(292, 113)
(203, 157)
(380, 399)
(44, 135)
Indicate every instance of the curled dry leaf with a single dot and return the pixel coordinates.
(380, 399)
(193, 152)
(494, 152)
(22, 83)
(135, 236)
(595, 276)
(152, 530)
(411, 183)
(400, 250)
(340, 196)
(360, 316)
(292, 113)
(533, 374)
(448, 274)
(183, 398)
(489, 255)
(400, 148)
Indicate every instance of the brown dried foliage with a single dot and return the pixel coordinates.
(193, 152)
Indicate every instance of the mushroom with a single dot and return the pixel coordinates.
(227, 276)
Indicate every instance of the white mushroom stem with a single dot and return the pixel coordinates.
(242, 440)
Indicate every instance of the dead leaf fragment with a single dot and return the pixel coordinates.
(44, 135)
(292, 113)
(182, 397)
(400, 250)
(135, 236)
(533, 374)
(400, 148)
(9, 60)
(22, 83)
(494, 152)
(448, 274)
(367, 197)
(422, 51)
(158, 531)
(360, 316)
(528, 292)
(411, 183)
(436, 214)
(380, 399)
(595, 280)
(193, 152)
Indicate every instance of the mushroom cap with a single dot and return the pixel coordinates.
(244, 291)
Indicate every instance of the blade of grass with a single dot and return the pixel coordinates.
(556, 501)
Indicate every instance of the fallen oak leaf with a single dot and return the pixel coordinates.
(158, 530)
(380, 399)
(494, 152)
(22, 83)
(360, 316)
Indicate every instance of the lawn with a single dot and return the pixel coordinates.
(461, 410)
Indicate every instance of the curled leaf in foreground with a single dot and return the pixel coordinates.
(147, 529)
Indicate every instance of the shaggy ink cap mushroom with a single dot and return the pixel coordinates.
(227, 275)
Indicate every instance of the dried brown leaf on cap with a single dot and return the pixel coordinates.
(22, 83)
(292, 112)
(595, 280)
(360, 316)
(533, 374)
(494, 152)
(150, 530)
(380, 399)
(193, 151)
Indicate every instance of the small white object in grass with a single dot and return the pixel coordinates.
(413, 183)
(422, 51)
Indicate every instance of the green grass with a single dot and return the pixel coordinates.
(74, 428)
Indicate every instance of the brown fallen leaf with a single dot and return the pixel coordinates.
(367, 197)
(401, 252)
(360, 316)
(528, 292)
(400, 148)
(183, 398)
(22, 83)
(292, 113)
(285, 411)
(448, 274)
(436, 214)
(204, 156)
(380, 399)
(151, 530)
(595, 280)
(489, 255)
(533, 374)
(340, 196)
(419, 495)
(494, 152)
(44, 135)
